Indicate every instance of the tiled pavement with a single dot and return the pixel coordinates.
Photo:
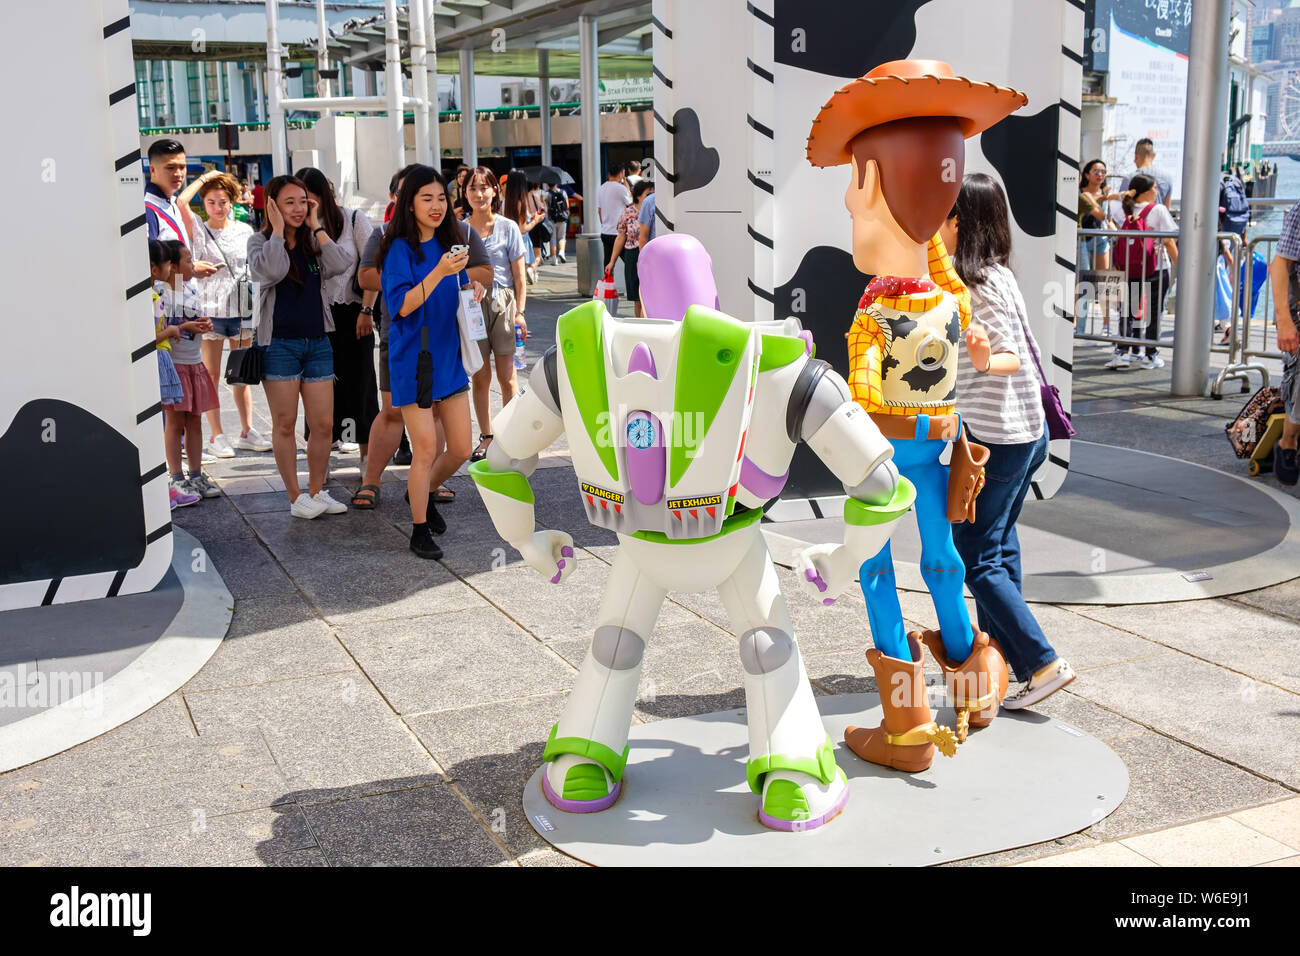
(370, 708)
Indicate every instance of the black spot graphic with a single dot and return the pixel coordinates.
(922, 380)
(951, 397)
(694, 163)
(843, 38)
(953, 328)
(830, 286)
(901, 326)
(887, 365)
(46, 528)
(1023, 151)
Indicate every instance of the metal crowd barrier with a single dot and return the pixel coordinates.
(1129, 286)
(1240, 352)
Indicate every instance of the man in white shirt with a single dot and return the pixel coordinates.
(611, 199)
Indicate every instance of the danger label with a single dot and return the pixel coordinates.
(592, 490)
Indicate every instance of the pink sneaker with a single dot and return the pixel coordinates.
(181, 499)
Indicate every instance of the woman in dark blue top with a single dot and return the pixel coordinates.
(421, 282)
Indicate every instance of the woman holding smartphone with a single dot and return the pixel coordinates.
(423, 252)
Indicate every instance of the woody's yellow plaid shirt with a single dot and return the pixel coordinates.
(867, 342)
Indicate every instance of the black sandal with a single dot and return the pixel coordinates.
(480, 453)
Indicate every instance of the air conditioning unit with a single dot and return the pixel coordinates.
(530, 97)
(512, 94)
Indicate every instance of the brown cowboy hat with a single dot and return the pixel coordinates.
(902, 89)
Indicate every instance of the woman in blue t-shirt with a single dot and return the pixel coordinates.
(421, 283)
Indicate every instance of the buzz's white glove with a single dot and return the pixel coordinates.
(549, 553)
(826, 570)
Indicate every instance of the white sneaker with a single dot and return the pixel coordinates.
(1118, 360)
(219, 445)
(208, 458)
(1156, 362)
(253, 441)
(331, 506)
(1036, 689)
(307, 507)
(346, 447)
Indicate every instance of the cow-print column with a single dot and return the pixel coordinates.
(762, 159)
(148, 438)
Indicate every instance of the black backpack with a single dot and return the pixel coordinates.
(1234, 206)
(557, 207)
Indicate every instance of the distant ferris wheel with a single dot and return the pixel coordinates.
(1289, 108)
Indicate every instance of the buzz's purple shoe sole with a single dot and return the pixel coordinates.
(791, 826)
(579, 806)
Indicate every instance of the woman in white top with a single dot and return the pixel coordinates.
(1000, 404)
(1146, 292)
(356, 391)
(226, 298)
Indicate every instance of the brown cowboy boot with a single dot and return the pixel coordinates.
(908, 736)
(977, 685)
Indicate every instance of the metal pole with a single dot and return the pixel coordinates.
(322, 55)
(393, 84)
(589, 80)
(544, 102)
(1203, 144)
(419, 79)
(468, 119)
(275, 112)
(430, 92)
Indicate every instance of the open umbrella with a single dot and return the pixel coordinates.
(546, 174)
(424, 372)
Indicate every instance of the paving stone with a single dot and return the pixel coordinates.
(99, 769)
(206, 840)
(296, 542)
(1087, 640)
(247, 569)
(331, 731)
(1023, 854)
(427, 826)
(382, 586)
(489, 752)
(1218, 842)
(1262, 645)
(272, 638)
(1283, 599)
(1066, 706)
(36, 818)
(1223, 713)
(1170, 783)
(691, 668)
(1104, 855)
(309, 857)
(563, 611)
(1281, 821)
(453, 660)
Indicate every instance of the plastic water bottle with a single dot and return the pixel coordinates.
(519, 347)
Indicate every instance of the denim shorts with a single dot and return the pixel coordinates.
(225, 329)
(1093, 246)
(288, 360)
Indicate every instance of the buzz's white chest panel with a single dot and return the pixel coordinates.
(663, 451)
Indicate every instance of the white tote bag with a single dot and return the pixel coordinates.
(473, 329)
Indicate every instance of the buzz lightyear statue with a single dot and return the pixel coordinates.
(681, 427)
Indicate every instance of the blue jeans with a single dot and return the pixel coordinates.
(990, 549)
(941, 567)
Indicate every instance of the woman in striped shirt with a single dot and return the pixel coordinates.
(1002, 407)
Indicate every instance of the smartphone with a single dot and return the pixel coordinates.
(459, 250)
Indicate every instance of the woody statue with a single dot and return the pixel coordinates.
(902, 127)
